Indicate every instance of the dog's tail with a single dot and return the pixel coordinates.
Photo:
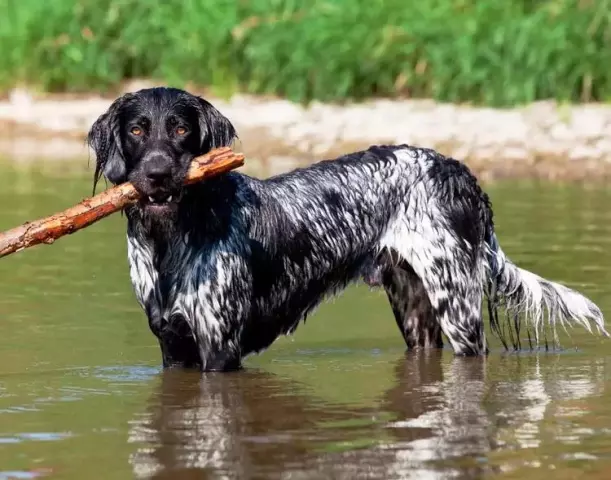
(540, 302)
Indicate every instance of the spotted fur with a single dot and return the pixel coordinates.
(247, 260)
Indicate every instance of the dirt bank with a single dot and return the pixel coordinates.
(543, 140)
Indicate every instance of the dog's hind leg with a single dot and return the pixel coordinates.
(456, 298)
(456, 294)
(410, 304)
(453, 283)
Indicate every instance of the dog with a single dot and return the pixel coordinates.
(224, 267)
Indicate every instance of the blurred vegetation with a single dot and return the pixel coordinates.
(492, 52)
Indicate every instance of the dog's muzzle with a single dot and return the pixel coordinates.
(158, 186)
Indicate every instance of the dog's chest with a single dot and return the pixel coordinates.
(188, 280)
(157, 280)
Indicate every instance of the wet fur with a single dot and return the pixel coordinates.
(238, 261)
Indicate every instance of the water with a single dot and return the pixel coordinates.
(82, 394)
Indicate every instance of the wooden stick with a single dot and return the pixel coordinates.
(48, 229)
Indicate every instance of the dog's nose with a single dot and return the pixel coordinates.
(158, 171)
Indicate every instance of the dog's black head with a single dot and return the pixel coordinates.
(150, 137)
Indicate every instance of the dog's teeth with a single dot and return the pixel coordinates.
(169, 199)
(151, 199)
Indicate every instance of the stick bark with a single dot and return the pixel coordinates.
(47, 230)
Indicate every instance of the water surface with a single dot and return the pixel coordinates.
(82, 394)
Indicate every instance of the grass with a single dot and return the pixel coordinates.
(493, 52)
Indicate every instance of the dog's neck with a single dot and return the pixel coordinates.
(204, 213)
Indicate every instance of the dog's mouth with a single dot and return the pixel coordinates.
(160, 201)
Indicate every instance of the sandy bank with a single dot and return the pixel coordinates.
(543, 140)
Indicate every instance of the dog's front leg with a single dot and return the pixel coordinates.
(217, 332)
(221, 308)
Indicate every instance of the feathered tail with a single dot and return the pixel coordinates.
(527, 296)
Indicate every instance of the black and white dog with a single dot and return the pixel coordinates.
(222, 268)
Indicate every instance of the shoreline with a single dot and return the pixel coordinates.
(543, 140)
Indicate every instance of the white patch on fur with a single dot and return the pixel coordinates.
(142, 271)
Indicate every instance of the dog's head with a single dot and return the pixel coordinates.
(150, 138)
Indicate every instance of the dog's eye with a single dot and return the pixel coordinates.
(181, 131)
(136, 131)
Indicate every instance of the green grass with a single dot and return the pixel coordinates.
(492, 52)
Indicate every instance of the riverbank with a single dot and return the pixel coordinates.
(543, 140)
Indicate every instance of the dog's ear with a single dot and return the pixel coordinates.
(215, 129)
(105, 140)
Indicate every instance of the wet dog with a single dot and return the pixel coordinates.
(223, 267)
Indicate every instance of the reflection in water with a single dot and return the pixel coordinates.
(443, 399)
(447, 415)
(77, 363)
(227, 423)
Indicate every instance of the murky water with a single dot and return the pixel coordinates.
(82, 394)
